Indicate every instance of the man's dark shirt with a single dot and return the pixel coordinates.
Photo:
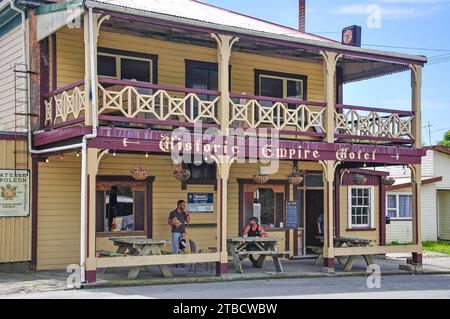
(182, 218)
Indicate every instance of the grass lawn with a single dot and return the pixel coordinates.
(437, 246)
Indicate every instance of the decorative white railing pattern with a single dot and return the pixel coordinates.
(373, 123)
(279, 114)
(65, 104)
(137, 100)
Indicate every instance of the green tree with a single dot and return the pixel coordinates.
(446, 141)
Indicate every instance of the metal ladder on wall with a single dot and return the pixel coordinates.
(21, 110)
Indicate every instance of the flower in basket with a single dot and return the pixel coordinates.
(260, 177)
(296, 176)
(140, 173)
(359, 179)
(388, 181)
(181, 174)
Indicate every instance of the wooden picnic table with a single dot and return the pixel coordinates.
(242, 247)
(136, 246)
(342, 241)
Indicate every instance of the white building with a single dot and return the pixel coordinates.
(435, 199)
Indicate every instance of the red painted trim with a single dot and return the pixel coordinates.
(11, 136)
(286, 241)
(34, 211)
(221, 269)
(149, 121)
(295, 242)
(374, 138)
(360, 229)
(275, 100)
(43, 138)
(417, 258)
(252, 38)
(88, 231)
(57, 91)
(221, 213)
(91, 276)
(328, 262)
(149, 216)
(405, 185)
(156, 86)
(368, 172)
(382, 204)
(374, 109)
(54, 71)
(439, 148)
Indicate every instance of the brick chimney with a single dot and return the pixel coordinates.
(302, 15)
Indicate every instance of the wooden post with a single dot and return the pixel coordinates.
(224, 46)
(328, 216)
(330, 60)
(416, 88)
(87, 71)
(416, 183)
(92, 170)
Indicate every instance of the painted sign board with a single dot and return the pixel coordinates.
(14, 193)
(200, 202)
(292, 215)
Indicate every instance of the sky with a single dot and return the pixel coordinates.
(421, 26)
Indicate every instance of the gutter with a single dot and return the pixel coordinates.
(346, 50)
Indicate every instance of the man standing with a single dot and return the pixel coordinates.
(178, 219)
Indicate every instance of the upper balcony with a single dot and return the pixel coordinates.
(158, 74)
(143, 105)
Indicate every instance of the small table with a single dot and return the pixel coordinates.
(349, 242)
(141, 247)
(262, 247)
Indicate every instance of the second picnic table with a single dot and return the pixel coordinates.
(340, 242)
(141, 247)
(239, 247)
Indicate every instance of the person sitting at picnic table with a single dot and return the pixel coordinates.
(253, 229)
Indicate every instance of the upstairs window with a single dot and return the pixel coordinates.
(126, 65)
(280, 85)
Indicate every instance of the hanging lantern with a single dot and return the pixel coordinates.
(140, 173)
(359, 179)
(182, 174)
(296, 176)
(260, 178)
(387, 180)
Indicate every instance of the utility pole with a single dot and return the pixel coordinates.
(429, 130)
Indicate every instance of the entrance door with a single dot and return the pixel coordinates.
(314, 208)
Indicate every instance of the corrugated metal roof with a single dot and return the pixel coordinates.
(198, 11)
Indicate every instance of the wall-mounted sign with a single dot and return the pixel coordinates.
(14, 193)
(200, 202)
(292, 210)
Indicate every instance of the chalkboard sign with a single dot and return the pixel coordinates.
(292, 214)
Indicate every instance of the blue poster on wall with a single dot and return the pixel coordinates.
(200, 202)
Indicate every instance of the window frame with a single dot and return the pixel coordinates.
(130, 55)
(371, 206)
(210, 66)
(282, 76)
(397, 209)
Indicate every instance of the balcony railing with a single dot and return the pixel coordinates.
(145, 104)
(65, 106)
(290, 116)
(364, 123)
(156, 104)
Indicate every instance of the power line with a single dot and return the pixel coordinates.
(409, 48)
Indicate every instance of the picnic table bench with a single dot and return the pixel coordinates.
(344, 242)
(243, 247)
(137, 246)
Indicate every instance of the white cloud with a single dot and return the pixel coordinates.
(415, 1)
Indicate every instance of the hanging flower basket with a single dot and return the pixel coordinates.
(388, 181)
(140, 173)
(182, 174)
(359, 179)
(260, 178)
(296, 176)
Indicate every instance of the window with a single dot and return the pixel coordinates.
(125, 65)
(361, 208)
(202, 173)
(121, 207)
(399, 206)
(280, 85)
